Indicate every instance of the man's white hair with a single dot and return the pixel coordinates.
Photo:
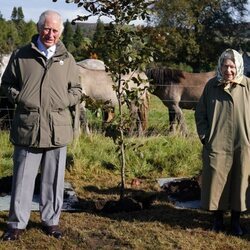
(43, 16)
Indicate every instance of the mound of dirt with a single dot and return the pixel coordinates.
(127, 204)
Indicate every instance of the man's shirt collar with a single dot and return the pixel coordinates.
(47, 52)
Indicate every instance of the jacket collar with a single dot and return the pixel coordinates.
(221, 83)
(60, 51)
(48, 52)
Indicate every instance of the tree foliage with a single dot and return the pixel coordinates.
(15, 32)
(127, 51)
(28, 30)
(120, 12)
(82, 44)
(198, 30)
(68, 36)
(98, 43)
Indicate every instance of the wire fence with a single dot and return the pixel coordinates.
(7, 110)
(6, 113)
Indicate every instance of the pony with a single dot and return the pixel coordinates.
(246, 60)
(98, 86)
(4, 59)
(6, 107)
(177, 90)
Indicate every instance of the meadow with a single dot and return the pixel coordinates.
(94, 172)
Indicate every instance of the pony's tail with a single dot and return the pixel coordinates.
(143, 110)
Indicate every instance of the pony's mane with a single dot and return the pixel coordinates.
(164, 76)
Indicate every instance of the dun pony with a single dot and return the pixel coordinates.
(98, 85)
(177, 90)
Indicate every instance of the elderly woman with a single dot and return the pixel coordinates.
(223, 125)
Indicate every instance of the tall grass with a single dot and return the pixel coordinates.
(158, 154)
(5, 154)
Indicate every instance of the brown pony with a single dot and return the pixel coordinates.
(177, 90)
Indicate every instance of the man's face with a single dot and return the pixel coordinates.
(51, 31)
(228, 70)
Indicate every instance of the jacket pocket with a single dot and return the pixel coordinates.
(62, 130)
(25, 128)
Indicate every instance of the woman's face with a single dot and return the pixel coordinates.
(228, 70)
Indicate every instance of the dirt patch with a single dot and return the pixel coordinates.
(127, 204)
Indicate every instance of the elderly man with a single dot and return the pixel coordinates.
(42, 80)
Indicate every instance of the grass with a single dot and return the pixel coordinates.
(5, 155)
(93, 170)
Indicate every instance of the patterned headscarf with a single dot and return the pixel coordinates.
(237, 59)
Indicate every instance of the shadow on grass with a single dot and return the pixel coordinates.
(3, 219)
(161, 210)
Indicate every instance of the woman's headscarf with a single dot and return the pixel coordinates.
(236, 57)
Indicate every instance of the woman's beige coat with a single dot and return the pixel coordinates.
(223, 124)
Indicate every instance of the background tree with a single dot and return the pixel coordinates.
(17, 17)
(78, 36)
(25, 30)
(9, 37)
(1, 16)
(198, 30)
(15, 32)
(20, 15)
(17, 14)
(98, 46)
(14, 14)
(28, 30)
(81, 43)
(68, 36)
